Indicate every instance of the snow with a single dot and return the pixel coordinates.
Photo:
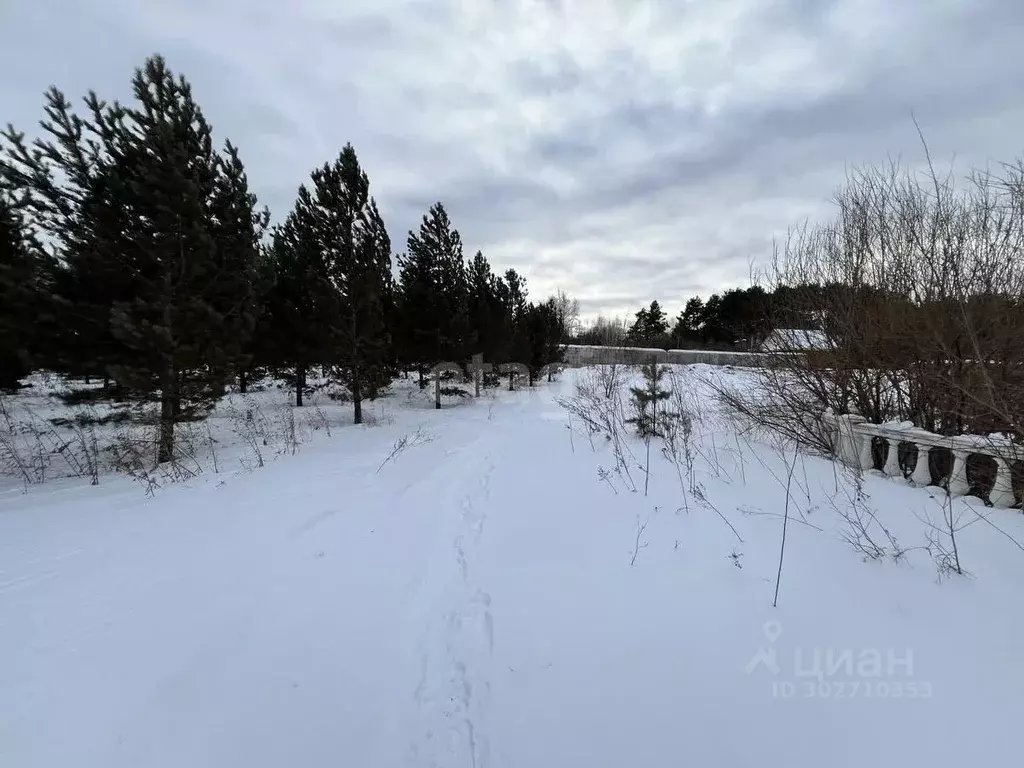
(471, 602)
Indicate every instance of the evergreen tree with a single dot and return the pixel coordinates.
(350, 229)
(503, 347)
(543, 333)
(687, 327)
(238, 232)
(488, 310)
(637, 332)
(332, 292)
(745, 315)
(189, 242)
(657, 322)
(91, 280)
(74, 187)
(22, 290)
(433, 295)
(415, 310)
(517, 316)
(517, 293)
(649, 325)
(650, 421)
(713, 328)
(301, 306)
(138, 202)
(265, 349)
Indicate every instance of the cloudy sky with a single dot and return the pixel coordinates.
(621, 150)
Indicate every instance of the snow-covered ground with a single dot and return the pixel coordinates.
(483, 598)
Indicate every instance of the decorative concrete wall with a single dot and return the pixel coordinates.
(854, 439)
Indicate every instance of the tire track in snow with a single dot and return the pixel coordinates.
(453, 692)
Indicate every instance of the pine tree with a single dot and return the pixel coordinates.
(504, 329)
(265, 347)
(657, 322)
(637, 332)
(21, 297)
(487, 310)
(712, 324)
(92, 279)
(555, 334)
(688, 323)
(189, 318)
(73, 186)
(649, 325)
(517, 320)
(649, 420)
(415, 310)
(301, 306)
(151, 225)
(238, 232)
(333, 292)
(350, 229)
(517, 293)
(434, 295)
(542, 333)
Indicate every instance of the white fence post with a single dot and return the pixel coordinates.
(865, 454)
(922, 476)
(892, 458)
(1002, 488)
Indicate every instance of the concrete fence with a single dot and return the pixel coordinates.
(912, 455)
(580, 354)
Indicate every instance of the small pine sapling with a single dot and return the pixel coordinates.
(650, 422)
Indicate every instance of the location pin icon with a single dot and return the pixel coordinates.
(772, 630)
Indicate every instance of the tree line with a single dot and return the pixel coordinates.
(132, 249)
(738, 317)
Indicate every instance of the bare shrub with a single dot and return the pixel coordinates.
(251, 425)
(597, 405)
(412, 440)
(915, 295)
(681, 450)
(317, 419)
(943, 545)
(861, 528)
(36, 449)
(638, 544)
(610, 378)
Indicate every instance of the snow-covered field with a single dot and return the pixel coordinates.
(484, 598)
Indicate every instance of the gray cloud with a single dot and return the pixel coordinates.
(622, 150)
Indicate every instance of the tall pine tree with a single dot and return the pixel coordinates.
(433, 302)
(189, 242)
(301, 306)
(22, 297)
(138, 195)
(487, 310)
(72, 186)
(239, 227)
(340, 219)
(542, 332)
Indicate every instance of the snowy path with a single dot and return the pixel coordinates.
(472, 605)
(310, 610)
